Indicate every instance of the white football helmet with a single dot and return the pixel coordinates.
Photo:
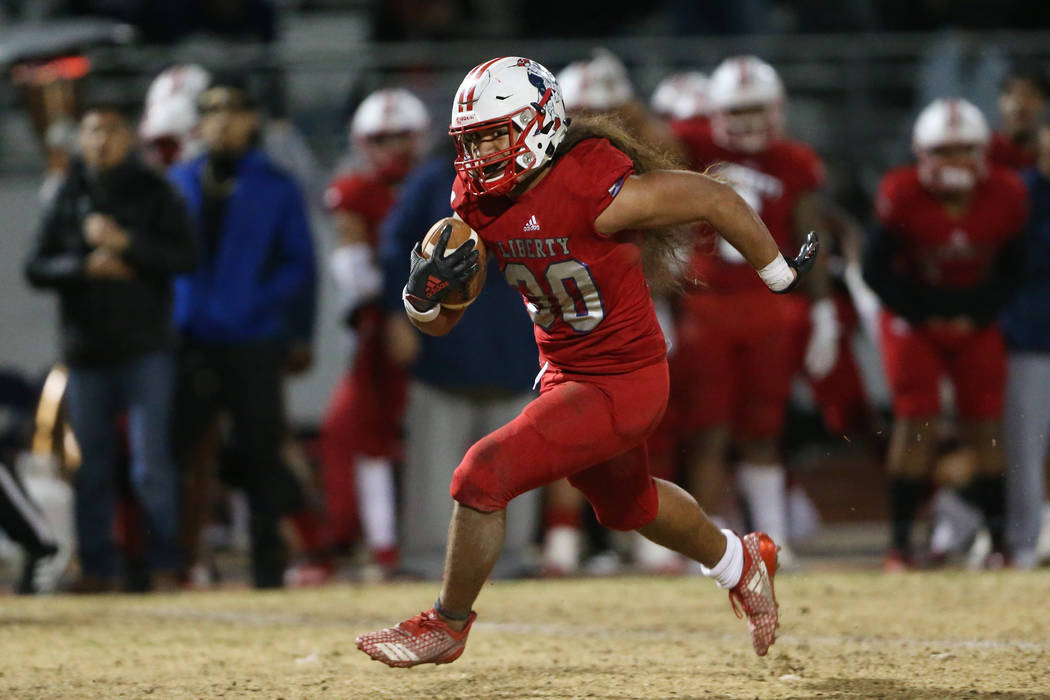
(747, 100)
(390, 127)
(519, 94)
(946, 123)
(598, 84)
(189, 80)
(682, 96)
(389, 111)
(170, 114)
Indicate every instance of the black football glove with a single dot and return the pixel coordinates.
(803, 262)
(434, 277)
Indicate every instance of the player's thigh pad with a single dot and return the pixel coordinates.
(769, 356)
(703, 368)
(913, 368)
(978, 372)
(576, 422)
(620, 490)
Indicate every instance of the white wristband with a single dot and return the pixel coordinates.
(777, 275)
(416, 314)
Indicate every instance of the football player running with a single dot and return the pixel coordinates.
(570, 212)
(944, 259)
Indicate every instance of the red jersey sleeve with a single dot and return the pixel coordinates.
(346, 193)
(807, 167)
(888, 204)
(596, 172)
(1015, 199)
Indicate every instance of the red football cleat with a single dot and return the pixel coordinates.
(898, 562)
(754, 593)
(423, 639)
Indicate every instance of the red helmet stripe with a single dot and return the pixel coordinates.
(464, 101)
(745, 74)
(953, 114)
(482, 67)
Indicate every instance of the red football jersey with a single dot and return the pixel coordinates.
(770, 181)
(363, 194)
(943, 250)
(586, 293)
(377, 377)
(1003, 152)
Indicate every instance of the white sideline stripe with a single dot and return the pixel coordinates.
(236, 616)
(30, 514)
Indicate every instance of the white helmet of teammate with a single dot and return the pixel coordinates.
(682, 96)
(598, 84)
(390, 126)
(389, 111)
(189, 80)
(954, 124)
(747, 99)
(170, 116)
(520, 95)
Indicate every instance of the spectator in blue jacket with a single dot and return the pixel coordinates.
(234, 311)
(462, 385)
(1026, 328)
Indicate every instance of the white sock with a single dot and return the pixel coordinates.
(763, 485)
(562, 547)
(730, 567)
(374, 477)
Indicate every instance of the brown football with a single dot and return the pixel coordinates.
(461, 233)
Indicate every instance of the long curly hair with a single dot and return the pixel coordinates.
(665, 251)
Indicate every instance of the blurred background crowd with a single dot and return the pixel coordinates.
(222, 197)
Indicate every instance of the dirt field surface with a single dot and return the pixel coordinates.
(843, 635)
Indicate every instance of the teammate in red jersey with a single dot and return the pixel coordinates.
(728, 389)
(1022, 99)
(360, 435)
(570, 217)
(943, 260)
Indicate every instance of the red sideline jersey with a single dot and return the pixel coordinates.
(368, 404)
(586, 293)
(364, 195)
(1003, 152)
(942, 250)
(770, 181)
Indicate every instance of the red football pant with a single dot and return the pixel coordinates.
(916, 357)
(589, 428)
(737, 354)
(361, 418)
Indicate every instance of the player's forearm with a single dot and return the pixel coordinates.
(441, 324)
(678, 197)
(740, 226)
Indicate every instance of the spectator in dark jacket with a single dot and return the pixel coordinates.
(234, 310)
(109, 243)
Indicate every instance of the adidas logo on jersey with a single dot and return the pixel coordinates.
(531, 224)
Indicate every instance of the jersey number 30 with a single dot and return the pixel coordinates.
(569, 286)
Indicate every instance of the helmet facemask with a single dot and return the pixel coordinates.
(500, 171)
(748, 130)
(391, 154)
(952, 169)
